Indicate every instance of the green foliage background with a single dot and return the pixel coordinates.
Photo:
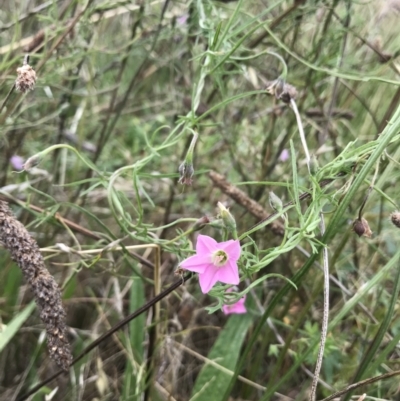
(122, 88)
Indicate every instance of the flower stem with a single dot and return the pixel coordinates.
(325, 317)
(301, 132)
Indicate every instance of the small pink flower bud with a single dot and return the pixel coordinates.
(284, 155)
(26, 79)
(17, 162)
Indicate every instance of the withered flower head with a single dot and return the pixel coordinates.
(361, 228)
(281, 90)
(26, 79)
(395, 219)
(32, 162)
(275, 88)
(186, 172)
(289, 92)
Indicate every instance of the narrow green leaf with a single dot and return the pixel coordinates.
(384, 139)
(131, 387)
(212, 381)
(12, 328)
(383, 329)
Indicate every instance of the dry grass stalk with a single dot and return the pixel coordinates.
(25, 252)
(243, 199)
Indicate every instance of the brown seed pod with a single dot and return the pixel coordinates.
(395, 218)
(281, 90)
(361, 228)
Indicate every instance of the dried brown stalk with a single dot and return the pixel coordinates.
(243, 199)
(25, 252)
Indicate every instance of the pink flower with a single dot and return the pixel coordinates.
(17, 162)
(284, 155)
(182, 19)
(238, 307)
(214, 262)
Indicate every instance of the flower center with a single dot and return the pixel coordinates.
(219, 258)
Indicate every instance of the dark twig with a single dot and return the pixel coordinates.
(362, 383)
(110, 332)
(254, 207)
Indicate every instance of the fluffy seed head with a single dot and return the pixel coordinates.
(26, 79)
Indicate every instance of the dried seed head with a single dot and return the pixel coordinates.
(179, 272)
(186, 172)
(395, 219)
(25, 252)
(361, 228)
(26, 78)
(275, 88)
(281, 90)
(289, 92)
(32, 162)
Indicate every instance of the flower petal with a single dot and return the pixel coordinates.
(208, 278)
(227, 309)
(232, 248)
(228, 274)
(196, 263)
(237, 308)
(206, 245)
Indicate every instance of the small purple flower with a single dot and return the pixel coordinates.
(182, 19)
(237, 308)
(214, 262)
(284, 155)
(17, 162)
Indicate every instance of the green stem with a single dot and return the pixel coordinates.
(390, 131)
